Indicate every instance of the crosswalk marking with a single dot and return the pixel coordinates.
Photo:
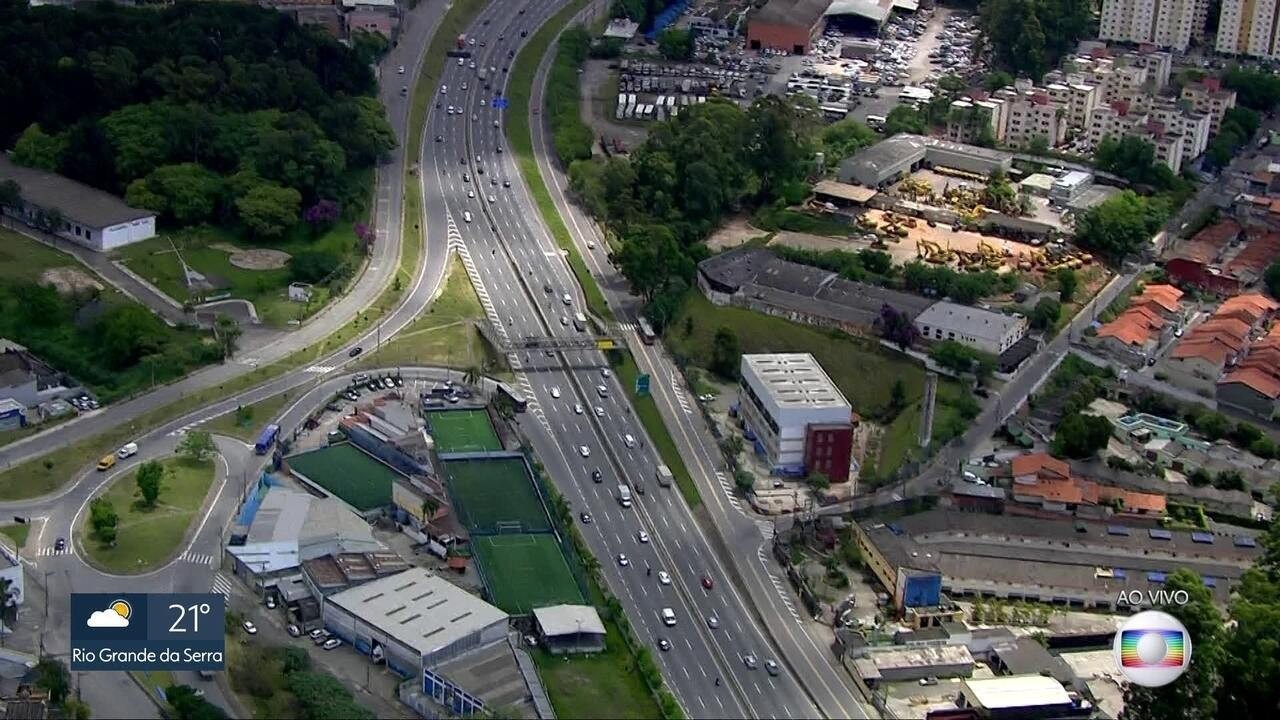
(727, 487)
(197, 558)
(222, 585)
(680, 395)
(320, 369)
(777, 585)
(51, 550)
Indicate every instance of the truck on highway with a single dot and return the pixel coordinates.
(664, 476)
(462, 41)
(624, 496)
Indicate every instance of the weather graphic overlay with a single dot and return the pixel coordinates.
(1152, 649)
(147, 632)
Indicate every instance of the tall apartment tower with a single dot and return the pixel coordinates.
(1166, 23)
(1249, 27)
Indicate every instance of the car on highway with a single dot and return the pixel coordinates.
(567, 299)
(713, 622)
(577, 408)
(555, 392)
(599, 411)
(464, 87)
(664, 644)
(706, 582)
(771, 667)
(444, 90)
(546, 289)
(461, 62)
(628, 440)
(493, 181)
(355, 351)
(60, 544)
(606, 372)
(496, 123)
(493, 199)
(602, 391)
(668, 617)
(642, 537)
(499, 148)
(564, 321)
(471, 194)
(506, 183)
(331, 644)
(466, 216)
(400, 70)
(584, 451)
(466, 178)
(439, 138)
(750, 661)
(249, 627)
(623, 560)
(293, 630)
(106, 463)
(596, 476)
(128, 450)
(585, 518)
(664, 578)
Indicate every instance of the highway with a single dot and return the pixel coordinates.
(522, 279)
(746, 538)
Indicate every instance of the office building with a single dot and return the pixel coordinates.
(798, 419)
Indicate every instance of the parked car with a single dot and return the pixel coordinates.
(249, 627)
(293, 630)
(331, 643)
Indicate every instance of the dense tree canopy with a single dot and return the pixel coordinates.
(165, 104)
(1121, 224)
(1028, 37)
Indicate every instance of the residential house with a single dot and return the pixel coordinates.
(1253, 309)
(1132, 337)
(1254, 384)
(1044, 483)
(1224, 258)
(1162, 300)
(1205, 353)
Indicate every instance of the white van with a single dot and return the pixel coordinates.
(875, 122)
(128, 451)
(466, 216)
(668, 617)
(624, 496)
(629, 441)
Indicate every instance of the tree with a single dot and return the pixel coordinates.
(1192, 697)
(227, 332)
(52, 676)
(1272, 279)
(359, 126)
(197, 446)
(10, 195)
(726, 353)
(954, 356)
(818, 481)
(997, 79)
(897, 396)
(1081, 436)
(1046, 313)
(675, 44)
(37, 149)
(1067, 282)
(103, 519)
(127, 333)
(73, 709)
(313, 266)
(897, 327)
(188, 193)
(321, 216)
(904, 119)
(187, 705)
(150, 475)
(846, 137)
(269, 210)
(1120, 225)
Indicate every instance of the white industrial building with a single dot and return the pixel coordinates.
(986, 330)
(288, 527)
(90, 217)
(418, 619)
(780, 396)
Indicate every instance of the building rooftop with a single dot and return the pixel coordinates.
(968, 320)
(419, 609)
(844, 191)
(880, 661)
(1256, 379)
(888, 153)
(1040, 464)
(1016, 691)
(803, 13)
(280, 517)
(795, 380)
(77, 201)
(568, 620)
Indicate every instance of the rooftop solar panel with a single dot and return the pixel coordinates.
(1210, 581)
(1160, 534)
(1244, 541)
(1120, 573)
(1117, 530)
(1201, 537)
(1156, 577)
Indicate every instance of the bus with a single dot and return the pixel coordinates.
(516, 398)
(267, 439)
(646, 332)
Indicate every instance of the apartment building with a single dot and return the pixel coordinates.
(972, 120)
(1209, 97)
(1165, 23)
(1248, 27)
(1080, 99)
(1120, 119)
(1031, 113)
(1119, 78)
(1194, 126)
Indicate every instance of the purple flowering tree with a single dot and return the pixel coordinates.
(897, 328)
(321, 216)
(365, 236)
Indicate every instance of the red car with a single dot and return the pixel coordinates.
(706, 582)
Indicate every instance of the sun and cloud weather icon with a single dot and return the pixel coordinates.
(116, 615)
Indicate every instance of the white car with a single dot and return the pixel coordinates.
(400, 69)
(555, 393)
(577, 408)
(591, 244)
(629, 441)
(584, 451)
(642, 536)
(331, 643)
(249, 627)
(471, 194)
(444, 89)
(599, 411)
(464, 87)
(493, 199)
(623, 560)
(663, 577)
(606, 372)
(567, 299)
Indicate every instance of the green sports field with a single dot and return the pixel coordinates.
(524, 572)
(462, 431)
(490, 492)
(347, 472)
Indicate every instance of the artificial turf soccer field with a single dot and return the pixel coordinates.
(525, 571)
(348, 472)
(489, 493)
(460, 431)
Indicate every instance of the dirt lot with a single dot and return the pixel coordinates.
(259, 259)
(733, 233)
(69, 280)
(806, 241)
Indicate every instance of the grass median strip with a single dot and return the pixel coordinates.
(148, 536)
(520, 138)
(647, 411)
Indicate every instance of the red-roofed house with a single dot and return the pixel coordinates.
(1252, 389)
(1161, 299)
(1223, 258)
(1253, 308)
(1132, 337)
(1046, 484)
(1039, 466)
